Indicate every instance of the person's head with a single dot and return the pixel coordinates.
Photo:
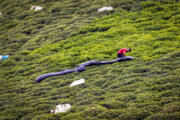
(129, 50)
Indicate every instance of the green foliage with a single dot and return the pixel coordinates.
(113, 104)
(25, 52)
(171, 116)
(69, 32)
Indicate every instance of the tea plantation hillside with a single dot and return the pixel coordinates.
(25, 29)
(67, 33)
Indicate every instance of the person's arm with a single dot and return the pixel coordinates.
(124, 53)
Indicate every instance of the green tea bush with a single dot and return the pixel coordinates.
(46, 41)
(112, 104)
(25, 14)
(171, 108)
(93, 110)
(127, 97)
(154, 27)
(168, 100)
(56, 8)
(135, 115)
(96, 92)
(74, 116)
(18, 112)
(10, 117)
(101, 28)
(165, 87)
(148, 4)
(8, 26)
(8, 63)
(171, 116)
(110, 114)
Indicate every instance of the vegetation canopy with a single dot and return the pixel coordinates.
(66, 33)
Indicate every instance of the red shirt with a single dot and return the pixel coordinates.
(121, 51)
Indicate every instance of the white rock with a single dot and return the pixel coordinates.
(0, 13)
(78, 82)
(38, 8)
(62, 108)
(105, 8)
(34, 7)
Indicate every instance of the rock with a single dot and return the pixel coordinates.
(0, 13)
(35, 8)
(61, 108)
(105, 8)
(78, 82)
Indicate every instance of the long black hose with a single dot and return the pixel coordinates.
(82, 67)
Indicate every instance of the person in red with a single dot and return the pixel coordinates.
(121, 52)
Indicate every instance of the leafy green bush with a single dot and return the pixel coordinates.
(67, 33)
(112, 104)
(93, 111)
(171, 116)
(134, 115)
(8, 63)
(110, 114)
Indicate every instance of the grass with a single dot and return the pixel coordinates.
(144, 88)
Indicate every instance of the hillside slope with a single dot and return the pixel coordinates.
(144, 88)
(25, 29)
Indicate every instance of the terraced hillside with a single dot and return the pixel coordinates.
(69, 32)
